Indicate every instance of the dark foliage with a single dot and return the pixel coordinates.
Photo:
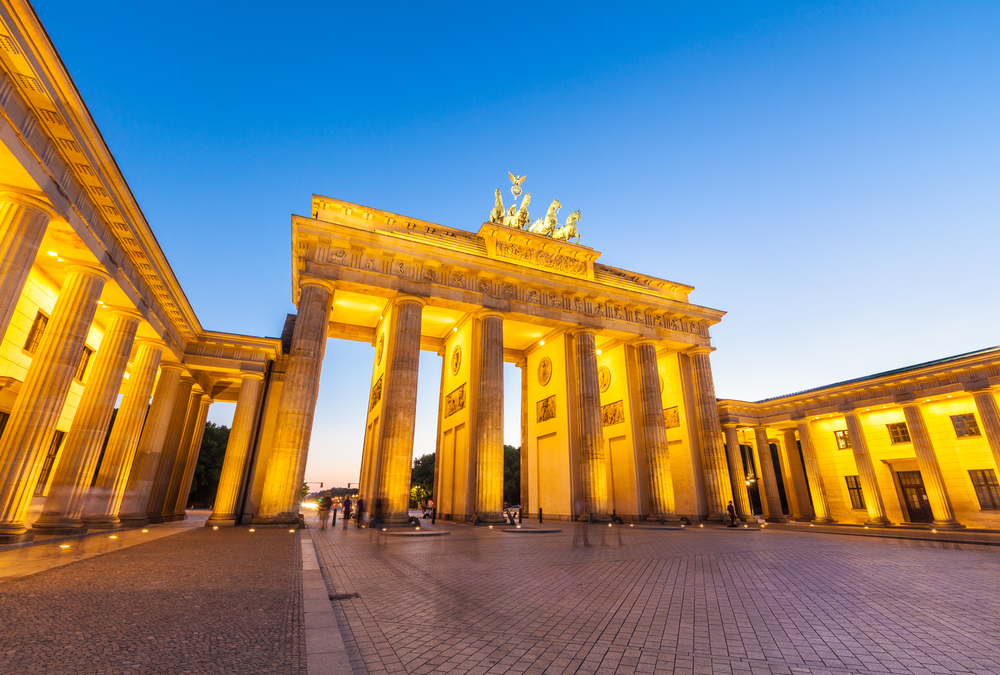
(423, 472)
(209, 467)
(511, 475)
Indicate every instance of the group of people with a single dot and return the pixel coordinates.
(326, 505)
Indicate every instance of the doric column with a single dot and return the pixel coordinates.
(654, 435)
(737, 473)
(399, 413)
(194, 449)
(180, 463)
(168, 452)
(234, 464)
(821, 506)
(147, 454)
(67, 492)
(772, 498)
(105, 497)
(593, 455)
(866, 472)
(989, 415)
(930, 470)
(795, 479)
(23, 221)
(525, 475)
(718, 490)
(296, 406)
(39, 404)
(489, 420)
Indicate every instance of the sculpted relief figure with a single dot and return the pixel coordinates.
(548, 224)
(568, 231)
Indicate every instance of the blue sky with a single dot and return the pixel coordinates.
(827, 173)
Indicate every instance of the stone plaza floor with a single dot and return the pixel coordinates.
(595, 599)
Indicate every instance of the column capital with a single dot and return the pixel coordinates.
(252, 376)
(642, 342)
(126, 312)
(316, 281)
(90, 270)
(205, 398)
(187, 379)
(172, 367)
(400, 299)
(733, 425)
(581, 330)
(700, 349)
(32, 202)
(487, 313)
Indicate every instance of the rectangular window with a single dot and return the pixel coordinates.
(50, 459)
(843, 440)
(854, 489)
(81, 370)
(965, 425)
(898, 432)
(987, 488)
(36, 332)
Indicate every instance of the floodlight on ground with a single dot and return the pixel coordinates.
(114, 536)
(145, 530)
(63, 545)
(291, 530)
(215, 527)
(251, 529)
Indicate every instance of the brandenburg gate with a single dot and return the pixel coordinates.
(618, 407)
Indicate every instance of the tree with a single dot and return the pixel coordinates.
(423, 473)
(209, 467)
(418, 493)
(511, 475)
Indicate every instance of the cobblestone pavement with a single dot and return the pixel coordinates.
(226, 601)
(622, 600)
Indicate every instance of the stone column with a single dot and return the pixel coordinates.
(399, 413)
(737, 473)
(105, 497)
(235, 463)
(821, 506)
(989, 415)
(168, 452)
(23, 221)
(489, 420)
(718, 490)
(795, 482)
(772, 498)
(866, 472)
(194, 449)
(293, 427)
(147, 454)
(593, 454)
(654, 435)
(39, 404)
(180, 463)
(930, 470)
(525, 476)
(67, 492)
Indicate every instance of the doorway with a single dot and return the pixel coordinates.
(915, 496)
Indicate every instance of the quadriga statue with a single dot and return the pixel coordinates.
(496, 215)
(548, 224)
(568, 231)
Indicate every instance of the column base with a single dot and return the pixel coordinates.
(133, 521)
(16, 538)
(154, 520)
(103, 524)
(665, 518)
(948, 525)
(280, 520)
(221, 522)
(881, 522)
(491, 518)
(169, 518)
(823, 521)
(58, 526)
(776, 519)
(180, 516)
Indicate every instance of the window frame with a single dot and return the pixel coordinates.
(843, 439)
(49, 462)
(991, 489)
(81, 370)
(36, 333)
(972, 431)
(855, 491)
(896, 438)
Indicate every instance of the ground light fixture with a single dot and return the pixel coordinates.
(114, 536)
(291, 530)
(215, 527)
(63, 545)
(251, 529)
(145, 530)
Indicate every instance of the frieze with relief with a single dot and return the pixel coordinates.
(376, 395)
(613, 413)
(533, 256)
(546, 408)
(672, 417)
(454, 401)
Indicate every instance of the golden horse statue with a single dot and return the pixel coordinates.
(568, 231)
(548, 224)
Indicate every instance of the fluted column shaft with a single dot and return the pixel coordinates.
(168, 452)
(183, 451)
(718, 490)
(399, 413)
(489, 421)
(147, 454)
(39, 404)
(930, 470)
(67, 492)
(866, 471)
(194, 449)
(654, 435)
(737, 474)
(772, 498)
(296, 406)
(105, 497)
(234, 464)
(593, 455)
(23, 221)
(989, 415)
(795, 479)
(821, 506)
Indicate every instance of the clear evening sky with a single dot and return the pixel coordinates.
(828, 174)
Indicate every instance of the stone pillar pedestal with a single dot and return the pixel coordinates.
(489, 421)
(23, 221)
(866, 473)
(39, 404)
(795, 479)
(593, 454)
(718, 490)
(654, 435)
(234, 464)
(193, 441)
(737, 473)
(168, 452)
(147, 455)
(105, 497)
(772, 498)
(399, 410)
(283, 484)
(67, 492)
(821, 506)
(930, 470)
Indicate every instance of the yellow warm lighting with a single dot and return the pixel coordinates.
(418, 527)
(598, 352)
(145, 530)
(491, 527)
(541, 342)
(53, 254)
(455, 329)
(701, 526)
(114, 536)
(291, 530)
(63, 545)
(251, 529)
(215, 527)
(58, 259)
